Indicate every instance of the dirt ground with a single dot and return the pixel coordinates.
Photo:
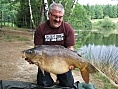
(13, 67)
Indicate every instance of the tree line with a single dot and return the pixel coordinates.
(100, 11)
(79, 16)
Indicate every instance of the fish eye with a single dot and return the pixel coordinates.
(30, 51)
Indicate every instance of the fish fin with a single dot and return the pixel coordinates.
(91, 68)
(85, 75)
(42, 70)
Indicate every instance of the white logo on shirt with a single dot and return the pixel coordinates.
(54, 37)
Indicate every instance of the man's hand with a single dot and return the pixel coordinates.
(71, 67)
(28, 60)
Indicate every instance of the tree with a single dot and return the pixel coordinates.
(31, 16)
(106, 10)
(23, 15)
(98, 12)
(79, 19)
(114, 11)
(9, 9)
(88, 9)
(92, 12)
(110, 11)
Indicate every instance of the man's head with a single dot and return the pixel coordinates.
(55, 14)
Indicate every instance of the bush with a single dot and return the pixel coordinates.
(106, 24)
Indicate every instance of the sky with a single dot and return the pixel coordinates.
(99, 2)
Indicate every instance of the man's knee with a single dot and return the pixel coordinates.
(66, 79)
(44, 80)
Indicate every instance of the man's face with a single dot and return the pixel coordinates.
(55, 18)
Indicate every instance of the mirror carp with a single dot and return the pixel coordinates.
(57, 59)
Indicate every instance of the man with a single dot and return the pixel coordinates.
(55, 32)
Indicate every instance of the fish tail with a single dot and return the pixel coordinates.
(86, 71)
(91, 68)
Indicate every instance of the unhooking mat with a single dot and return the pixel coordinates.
(4, 84)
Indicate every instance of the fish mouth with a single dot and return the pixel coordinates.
(23, 54)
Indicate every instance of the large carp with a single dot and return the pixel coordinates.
(57, 60)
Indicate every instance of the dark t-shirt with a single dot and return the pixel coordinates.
(46, 35)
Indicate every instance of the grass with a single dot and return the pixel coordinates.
(11, 38)
(107, 84)
(112, 19)
(103, 79)
(9, 34)
(8, 24)
(14, 28)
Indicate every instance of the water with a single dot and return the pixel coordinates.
(96, 38)
(98, 53)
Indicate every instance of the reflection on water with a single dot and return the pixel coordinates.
(96, 37)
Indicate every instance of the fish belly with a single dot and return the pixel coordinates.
(55, 66)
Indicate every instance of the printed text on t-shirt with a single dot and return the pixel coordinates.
(54, 37)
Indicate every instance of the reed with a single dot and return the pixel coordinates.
(105, 58)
